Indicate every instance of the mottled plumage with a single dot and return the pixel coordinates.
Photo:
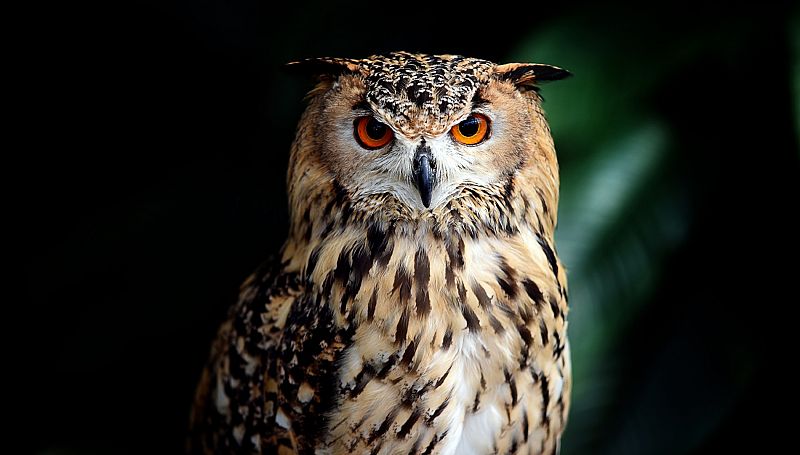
(392, 326)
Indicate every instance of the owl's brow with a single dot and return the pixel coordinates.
(478, 101)
(363, 106)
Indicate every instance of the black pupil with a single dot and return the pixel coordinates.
(470, 126)
(375, 129)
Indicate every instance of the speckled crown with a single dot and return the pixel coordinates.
(406, 88)
(430, 86)
(420, 91)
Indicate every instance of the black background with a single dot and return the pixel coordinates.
(150, 181)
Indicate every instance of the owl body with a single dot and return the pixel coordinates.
(418, 305)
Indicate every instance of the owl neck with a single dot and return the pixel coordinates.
(470, 264)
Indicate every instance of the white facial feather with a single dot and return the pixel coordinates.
(390, 170)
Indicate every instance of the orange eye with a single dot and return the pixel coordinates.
(372, 134)
(472, 130)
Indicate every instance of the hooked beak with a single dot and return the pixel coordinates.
(424, 166)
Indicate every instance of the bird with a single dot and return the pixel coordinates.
(418, 304)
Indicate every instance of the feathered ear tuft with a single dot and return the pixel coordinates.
(529, 74)
(325, 68)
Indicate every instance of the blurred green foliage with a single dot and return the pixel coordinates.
(624, 209)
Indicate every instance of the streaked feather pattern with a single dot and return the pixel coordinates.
(385, 327)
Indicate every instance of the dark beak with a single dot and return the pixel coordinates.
(424, 166)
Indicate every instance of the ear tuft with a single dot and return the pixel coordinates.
(325, 67)
(529, 74)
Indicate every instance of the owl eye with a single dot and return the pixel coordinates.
(372, 134)
(472, 130)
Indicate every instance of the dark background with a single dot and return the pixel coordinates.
(150, 182)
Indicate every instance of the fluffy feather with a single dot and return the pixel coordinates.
(388, 327)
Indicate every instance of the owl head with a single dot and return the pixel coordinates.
(413, 138)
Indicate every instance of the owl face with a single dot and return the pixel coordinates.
(424, 130)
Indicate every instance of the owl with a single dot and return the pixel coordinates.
(418, 305)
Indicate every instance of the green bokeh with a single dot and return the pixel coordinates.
(624, 209)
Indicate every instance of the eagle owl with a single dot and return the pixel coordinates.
(418, 305)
